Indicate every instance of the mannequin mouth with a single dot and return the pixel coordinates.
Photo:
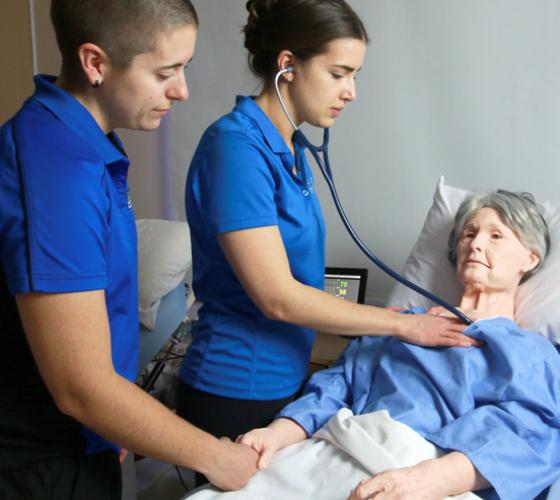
(476, 262)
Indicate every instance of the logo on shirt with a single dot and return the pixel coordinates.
(129, 200)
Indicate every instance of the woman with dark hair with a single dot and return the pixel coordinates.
(68, 266)
(257, 230)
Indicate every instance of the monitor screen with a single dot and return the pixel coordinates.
(346, 283)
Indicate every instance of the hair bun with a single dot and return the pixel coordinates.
(257, 9)
(253, 15)
(304, 27)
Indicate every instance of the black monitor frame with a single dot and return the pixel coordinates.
(362, 273)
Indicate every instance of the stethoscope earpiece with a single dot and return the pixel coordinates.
(287, 69)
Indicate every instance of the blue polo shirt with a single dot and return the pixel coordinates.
(66, 225)
(241, 177)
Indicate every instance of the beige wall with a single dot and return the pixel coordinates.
(48, 57)
(16, 56)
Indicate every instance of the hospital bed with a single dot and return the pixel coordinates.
(428, 265)
(164, 262)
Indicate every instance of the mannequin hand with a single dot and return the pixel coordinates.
(266, 441)
(434, 479)
(409, 483)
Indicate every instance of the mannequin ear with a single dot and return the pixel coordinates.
(284, 60)
(94, 61)
(532, 262)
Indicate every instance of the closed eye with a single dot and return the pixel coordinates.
(166, 72)
(164, 76)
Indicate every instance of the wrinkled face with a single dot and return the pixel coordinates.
(490, 256)
(325, 84)
(139, 96)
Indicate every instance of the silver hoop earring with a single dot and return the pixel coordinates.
(96, 84)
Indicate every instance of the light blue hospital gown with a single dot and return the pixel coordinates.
(499, 404)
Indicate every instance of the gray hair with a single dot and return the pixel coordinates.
(518, 211)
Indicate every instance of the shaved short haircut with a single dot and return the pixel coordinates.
(122, 28)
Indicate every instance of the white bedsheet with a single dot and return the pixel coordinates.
(348, 449)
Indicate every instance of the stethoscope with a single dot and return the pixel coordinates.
(324, 166)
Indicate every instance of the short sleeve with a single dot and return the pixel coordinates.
(233, 183)
(54, 216)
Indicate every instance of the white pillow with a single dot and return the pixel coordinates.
(164, 256)
(537, 304)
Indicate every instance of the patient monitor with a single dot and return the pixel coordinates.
(347, 283)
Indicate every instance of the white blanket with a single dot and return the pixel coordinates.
(330, 464)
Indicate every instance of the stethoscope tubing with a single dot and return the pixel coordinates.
(325, 168)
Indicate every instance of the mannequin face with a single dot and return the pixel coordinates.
(140, 95)
(322, 86)
(490, 256)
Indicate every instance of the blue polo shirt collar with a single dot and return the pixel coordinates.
(248, 106)
(271, 135)
(71, 112)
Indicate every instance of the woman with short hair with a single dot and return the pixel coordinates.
(68, 260)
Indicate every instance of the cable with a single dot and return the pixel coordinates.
(181, 478)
